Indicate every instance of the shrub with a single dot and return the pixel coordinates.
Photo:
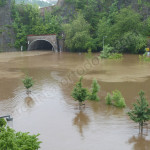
(2, 122)
(108, 99)
(118, 99)
(28, 82)
(144, 57)
(94, 92)
(116, 56)
(115, 99)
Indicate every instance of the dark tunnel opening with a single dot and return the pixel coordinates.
(40, 45)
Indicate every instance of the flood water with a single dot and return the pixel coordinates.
(52, 112)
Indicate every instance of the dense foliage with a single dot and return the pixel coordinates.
(126, 29)
(12, 140)
(141, 111)
(78, 36)
(28, 20)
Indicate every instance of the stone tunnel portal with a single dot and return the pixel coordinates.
(40, 45)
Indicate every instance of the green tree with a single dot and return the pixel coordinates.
(141, 111)
(93, 95)
(12, 140)
(79, 93)
(108, 99)
(125, 34)
(77, 35)
(28, 83)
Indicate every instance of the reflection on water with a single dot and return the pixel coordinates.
(51, 111)
(140, 143)
(29, 102)
(81, 121)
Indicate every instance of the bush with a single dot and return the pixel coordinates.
(118, 99)
(2, 122)
(108, 99)
(116, 56)
(94, 93)
(12, 140)
(89, 53)
(144, 57)
(28, 82)
(115, 99)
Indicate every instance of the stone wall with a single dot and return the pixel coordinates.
(50, 38)
(7, 36)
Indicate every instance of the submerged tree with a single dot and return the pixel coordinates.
(116, 99)
(28, 83)
(79, 93)
(94, 93)
(141, 111)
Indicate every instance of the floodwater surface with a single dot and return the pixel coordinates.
(52, 112)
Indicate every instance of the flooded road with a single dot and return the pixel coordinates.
(52, 112)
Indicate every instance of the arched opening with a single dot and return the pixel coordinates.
(40, 45)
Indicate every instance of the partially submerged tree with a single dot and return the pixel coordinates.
(79, 93)
(93, 95)
(115, 99)
(141, 111)
(28, 83)
(108, 99)
(118, 99)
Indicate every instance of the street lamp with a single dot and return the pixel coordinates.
(103, 40)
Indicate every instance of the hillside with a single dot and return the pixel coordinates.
(70, 7)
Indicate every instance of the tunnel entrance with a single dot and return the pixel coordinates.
(40, 45)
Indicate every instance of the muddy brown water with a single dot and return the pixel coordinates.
(52, 112)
